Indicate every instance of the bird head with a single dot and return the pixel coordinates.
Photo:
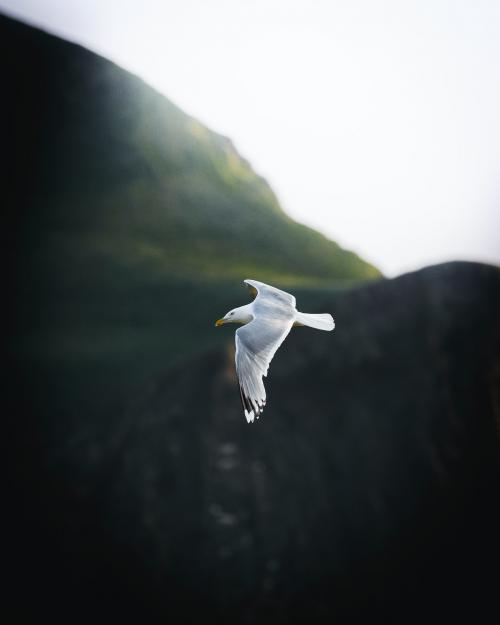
(242, 315)
(229, 317)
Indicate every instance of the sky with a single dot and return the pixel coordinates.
(375, 122)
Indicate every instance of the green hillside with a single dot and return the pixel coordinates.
(116, 172)
(129, 229)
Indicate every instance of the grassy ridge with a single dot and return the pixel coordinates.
(120, 172)
(132, 226)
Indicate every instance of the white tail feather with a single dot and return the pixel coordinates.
(320, 322)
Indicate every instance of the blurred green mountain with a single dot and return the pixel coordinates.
(113, 171)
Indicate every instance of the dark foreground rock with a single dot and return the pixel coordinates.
(369, 490)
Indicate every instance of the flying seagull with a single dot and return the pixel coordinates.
(266, 323)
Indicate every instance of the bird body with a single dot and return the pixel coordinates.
(266, 323)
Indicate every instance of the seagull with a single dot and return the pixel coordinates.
(266, 323)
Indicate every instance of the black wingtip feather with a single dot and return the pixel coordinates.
(248, 405)
(245, 401)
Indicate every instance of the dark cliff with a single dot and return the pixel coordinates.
(369, 489)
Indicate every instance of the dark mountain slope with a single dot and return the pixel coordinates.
(103, 169)
(368, 491)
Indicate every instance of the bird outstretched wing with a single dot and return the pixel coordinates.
(262, 290)
(256, 344)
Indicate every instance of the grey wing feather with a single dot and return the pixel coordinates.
(256, 344)
(265, 291)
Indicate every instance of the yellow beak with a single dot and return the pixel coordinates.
(219, 322)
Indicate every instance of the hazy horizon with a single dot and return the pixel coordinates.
(374, 123)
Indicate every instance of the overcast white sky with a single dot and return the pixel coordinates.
(376, 122)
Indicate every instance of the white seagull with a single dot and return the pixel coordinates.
(266, 323)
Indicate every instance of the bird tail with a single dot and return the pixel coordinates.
(323, 321)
